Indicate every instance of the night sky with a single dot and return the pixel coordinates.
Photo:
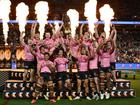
(124, 9)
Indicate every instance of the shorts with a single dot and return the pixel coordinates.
(29, 64)
(82, 75)
(99, 65)
(74, 59)
(106, 69)
(46, 76)
(112, 66)
(93, 73)
(62, 76)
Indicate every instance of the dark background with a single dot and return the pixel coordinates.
(124, 9)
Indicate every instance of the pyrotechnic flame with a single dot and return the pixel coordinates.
(41, 10)
(5, 7)
(90, 13)
(74, 20)
(22, 11)
(107, 14)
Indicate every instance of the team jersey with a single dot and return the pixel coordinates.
(83, 63)
(45, 66)
(105, 59)
(39, 56)
(61, 64)
(28, 55)
(93, 63)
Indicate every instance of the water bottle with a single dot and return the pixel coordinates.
(13, 65)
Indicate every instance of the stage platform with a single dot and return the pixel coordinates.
(14, 89)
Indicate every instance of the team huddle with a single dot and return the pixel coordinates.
(50, 58)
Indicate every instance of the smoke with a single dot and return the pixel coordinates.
(90, 13)
(42, 10)
(107, 14)
(74, 20)
(22, 11)
(5, 7)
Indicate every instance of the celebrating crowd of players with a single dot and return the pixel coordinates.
(50, 58)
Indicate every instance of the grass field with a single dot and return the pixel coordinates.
(135, 84)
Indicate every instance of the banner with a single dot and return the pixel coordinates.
(127, 66)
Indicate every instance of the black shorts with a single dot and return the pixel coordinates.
(99, 65)
(46, 77)
(62, 76)
(106, 69)
(93, 73)
(29, 64)
(112, 65)
(82, 75)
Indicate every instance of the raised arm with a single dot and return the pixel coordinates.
(60, 27)
(92, 51)
(81, 30)
(53, 30)
(57, 33)
(99, 48)
(115, 37)
(112, 47)
(96, 31)
(113, 33)
(88, 52)
(95, 42)
(33, 29)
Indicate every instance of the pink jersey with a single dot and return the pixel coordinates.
(56, 41)
(61, 63)
(75, 48)
(83, 63)
(72, 44)
(49, 42)
(39, 56)
(67, 42)
(38, 49)
(36, 42)
(93, 63)
(87, 43)
(28, 55)
(113, 57)
(105, 59)
(44, 66)
(100, 40)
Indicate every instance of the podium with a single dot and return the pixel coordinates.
(11, 79)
